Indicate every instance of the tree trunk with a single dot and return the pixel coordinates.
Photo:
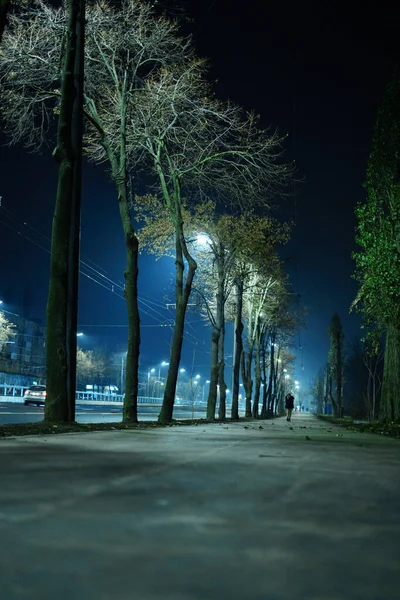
(131, 298)
(275, 377)
(182, 294)
(264, 376)
(374, 393)
(331, 398)
(215, 339)
(247, 380)
(270, 399)
(75, 231)
(56, 406)
(339, 376)
(390, 394)
(221, 375)
(257, 374)
(212, 393)
(237, 349)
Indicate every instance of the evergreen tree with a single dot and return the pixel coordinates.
(378, 235)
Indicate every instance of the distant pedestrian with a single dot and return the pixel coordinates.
(289, 405)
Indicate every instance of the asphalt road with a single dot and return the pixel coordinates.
(243, 511)
(18, 413)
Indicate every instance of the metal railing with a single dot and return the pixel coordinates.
(112, 398)
(17, 391)
(12, 390)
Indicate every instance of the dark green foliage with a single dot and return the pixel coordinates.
(378, 235)
(378, 226)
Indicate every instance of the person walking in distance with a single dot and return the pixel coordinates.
(289, 405)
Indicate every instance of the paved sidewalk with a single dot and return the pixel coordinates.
(262, 511)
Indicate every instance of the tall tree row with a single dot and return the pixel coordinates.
(148, 108)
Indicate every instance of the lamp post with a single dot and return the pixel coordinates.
(163, 364)
(148, 381)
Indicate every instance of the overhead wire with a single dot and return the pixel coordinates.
(85, 268)
(98, 276)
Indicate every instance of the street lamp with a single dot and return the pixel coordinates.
(287, 376)
(181, 370)
(203, 240)
(148, 381)
(197, 376)
(79, 334)
(163, 364)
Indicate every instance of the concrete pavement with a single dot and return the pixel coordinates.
(258, 511)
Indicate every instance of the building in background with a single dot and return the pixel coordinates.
(23, 357)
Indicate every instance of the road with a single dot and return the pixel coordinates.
(18, 413)
(257, 511)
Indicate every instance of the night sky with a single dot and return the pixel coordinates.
(314, 70)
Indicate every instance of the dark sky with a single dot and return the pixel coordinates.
(316, 71)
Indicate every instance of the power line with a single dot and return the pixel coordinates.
(85, 269)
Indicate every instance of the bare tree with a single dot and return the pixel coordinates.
(124, 45)
(259, 287)
(217, 260)
(194, 143)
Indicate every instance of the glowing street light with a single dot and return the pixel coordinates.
(148, 380)
(287, 376)
(163, 364)
(182, 370)
(197, 376)
(79, 334)
(203, 240)
(296, 382)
